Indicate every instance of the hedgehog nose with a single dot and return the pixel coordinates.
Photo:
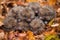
(36, 11)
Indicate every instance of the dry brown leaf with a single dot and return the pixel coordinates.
(22, 36)
(31, 1)
(1, 34)
(30, 35)
(50, 32)
(11, 35)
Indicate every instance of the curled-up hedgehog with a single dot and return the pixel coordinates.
(47, 13)
(27, 14)
(37, 26)
(15, 11)
(35, 7)
(10, 22)
(22, 26)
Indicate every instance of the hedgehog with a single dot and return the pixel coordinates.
(35, 7)
(11, 19)
(27, 14)
(37, 25)
(22, 26)
(14, 11)
(10, 22)
(47, 13)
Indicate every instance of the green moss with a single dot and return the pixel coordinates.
(51, 37)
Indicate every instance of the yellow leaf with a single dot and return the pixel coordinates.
(52, 2)
(31, 1)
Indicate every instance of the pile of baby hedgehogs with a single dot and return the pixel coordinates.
(32, 17)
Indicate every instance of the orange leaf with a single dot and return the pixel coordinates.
(30, 35)
(51, 2)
